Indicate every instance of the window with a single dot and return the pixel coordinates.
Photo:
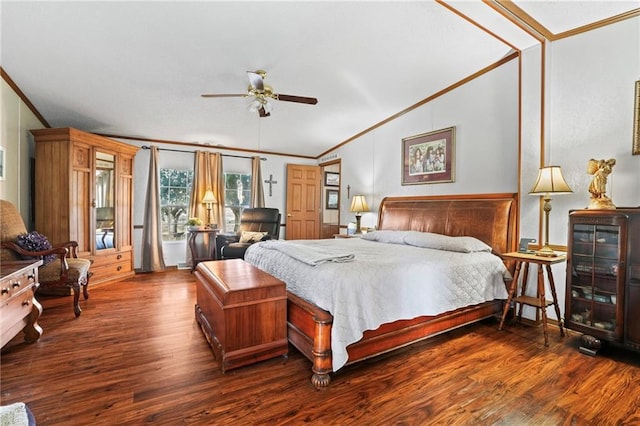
(237, 197)
(175, 191)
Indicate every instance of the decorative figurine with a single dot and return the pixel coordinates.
(600, 169)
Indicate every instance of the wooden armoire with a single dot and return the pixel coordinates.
(84, 192)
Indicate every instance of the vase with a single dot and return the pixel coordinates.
(195, 228)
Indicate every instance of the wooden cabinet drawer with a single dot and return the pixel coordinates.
(14, 285)
(111, 267)
(109, 259)
(19, 309)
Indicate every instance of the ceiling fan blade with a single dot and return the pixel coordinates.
(262, 112)
(257, 80)
(298, 99)
(230, 95)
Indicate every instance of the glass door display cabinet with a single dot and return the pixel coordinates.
(603, 277)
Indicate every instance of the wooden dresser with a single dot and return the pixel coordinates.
(86, 181)
(19, 310)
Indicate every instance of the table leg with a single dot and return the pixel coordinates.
(512, 289)
(194, 252)
(552, 285)
(543, 306)
(525, 279)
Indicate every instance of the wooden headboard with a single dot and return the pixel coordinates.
(488, 217)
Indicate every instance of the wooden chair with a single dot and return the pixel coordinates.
(66, 270)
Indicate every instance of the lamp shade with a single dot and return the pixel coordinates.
(550, 181)
(209, 198)
(359, 204)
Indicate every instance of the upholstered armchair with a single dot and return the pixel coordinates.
(64, 268)
(257, 224)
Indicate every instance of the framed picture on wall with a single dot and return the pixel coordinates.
(331, 179)
(332, 199)
(636, 122)
(2, 172)
(429, 157)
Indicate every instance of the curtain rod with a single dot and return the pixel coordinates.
(191, 152)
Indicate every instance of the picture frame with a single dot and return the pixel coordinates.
(332, 199)
(331, 179)
(429, 157)
(2, 163)
(635, 150)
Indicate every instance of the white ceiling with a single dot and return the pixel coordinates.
(137, 69)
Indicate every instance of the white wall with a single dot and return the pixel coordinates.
(590, 105)
(484, 113)
(589, 94)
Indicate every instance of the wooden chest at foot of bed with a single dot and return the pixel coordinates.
(242, 312)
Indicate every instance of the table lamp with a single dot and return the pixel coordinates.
(209, 199)
(358, 206)
(550, 181)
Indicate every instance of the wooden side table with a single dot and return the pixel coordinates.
(539, 302)
(210, 246)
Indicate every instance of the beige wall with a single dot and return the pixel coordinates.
(15, 122)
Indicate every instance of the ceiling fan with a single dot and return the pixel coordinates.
(262, 93)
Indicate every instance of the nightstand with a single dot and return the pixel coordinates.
(539, 301)
(209, 242)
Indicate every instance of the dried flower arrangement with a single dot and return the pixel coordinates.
(34, 241)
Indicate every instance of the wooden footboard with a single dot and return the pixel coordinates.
(309, 330)
(491, 218)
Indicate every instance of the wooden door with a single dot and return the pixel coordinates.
(303, 202)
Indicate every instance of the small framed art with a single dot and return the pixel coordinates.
(331, 179)
(332, 199)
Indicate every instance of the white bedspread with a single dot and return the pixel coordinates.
(383, 283)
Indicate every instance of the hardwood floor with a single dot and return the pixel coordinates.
(136, 355)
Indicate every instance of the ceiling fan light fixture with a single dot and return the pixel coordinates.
(255, 105)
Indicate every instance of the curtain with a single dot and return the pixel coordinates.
(152, 256)
(257, 190)
(207, 175)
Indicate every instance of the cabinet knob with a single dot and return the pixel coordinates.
(119, 268)
(26, 302)
(31, 277)
(119, 257)
(15, 285)
(4, 290)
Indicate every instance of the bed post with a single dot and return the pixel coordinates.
(322, 360)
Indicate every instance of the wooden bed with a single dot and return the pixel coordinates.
(488, 217)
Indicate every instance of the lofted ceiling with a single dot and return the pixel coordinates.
(137, 69)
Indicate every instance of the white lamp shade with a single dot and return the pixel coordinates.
(359, 204)
(209, 198)
(550, 181)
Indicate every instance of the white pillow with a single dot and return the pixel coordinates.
(444, 242)
(386, 236)
(252, 237)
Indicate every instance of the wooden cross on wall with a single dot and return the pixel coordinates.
(271, 182)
